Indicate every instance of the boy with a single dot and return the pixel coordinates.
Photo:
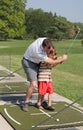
(45, 83)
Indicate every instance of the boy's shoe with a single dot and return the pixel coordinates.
(44, 105)
(51, 108)
(38, 106)
(25, 107)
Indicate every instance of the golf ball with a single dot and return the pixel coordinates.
(33, 126)
(57, 119)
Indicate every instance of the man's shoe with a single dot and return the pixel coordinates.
(51, 108)
(25, 107)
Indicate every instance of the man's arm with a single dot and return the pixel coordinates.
(56, 61)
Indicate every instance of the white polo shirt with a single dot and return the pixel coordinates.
(35, 52)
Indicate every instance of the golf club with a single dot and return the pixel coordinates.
(67, 51)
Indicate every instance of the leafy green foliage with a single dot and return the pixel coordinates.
(16, 22)
(39, 23)
(12, 16)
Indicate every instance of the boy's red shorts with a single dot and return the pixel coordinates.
(45, 87)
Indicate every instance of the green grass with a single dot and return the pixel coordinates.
(67, 77)
(14, 47)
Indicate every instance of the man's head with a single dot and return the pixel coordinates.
(47, 45)
(49, 48)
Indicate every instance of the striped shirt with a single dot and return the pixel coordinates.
(44, 73)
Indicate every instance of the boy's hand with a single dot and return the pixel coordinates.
(64, 57)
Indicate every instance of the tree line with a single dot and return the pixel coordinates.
(17, 22)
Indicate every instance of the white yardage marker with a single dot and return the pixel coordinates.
(35, 114)
(45, 113)
(8, 87)
(11, 117)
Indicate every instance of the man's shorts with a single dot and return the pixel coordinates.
(31, 69)
(45, 87)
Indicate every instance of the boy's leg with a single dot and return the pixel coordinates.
(49, 99)
(39, 101)
(50, 107)
(49, 91)
(40, 97)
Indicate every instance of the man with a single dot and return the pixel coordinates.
(36, 53)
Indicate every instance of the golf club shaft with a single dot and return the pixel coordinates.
(67, 51)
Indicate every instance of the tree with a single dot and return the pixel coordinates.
(12, 18)
(63, 28)
(37, 22)
(72, 31)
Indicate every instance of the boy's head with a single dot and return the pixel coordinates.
(52, 53)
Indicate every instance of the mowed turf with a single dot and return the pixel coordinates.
(35, 119)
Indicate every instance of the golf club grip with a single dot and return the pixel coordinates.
(63, 61)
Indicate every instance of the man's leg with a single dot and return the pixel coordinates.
(29, 93)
